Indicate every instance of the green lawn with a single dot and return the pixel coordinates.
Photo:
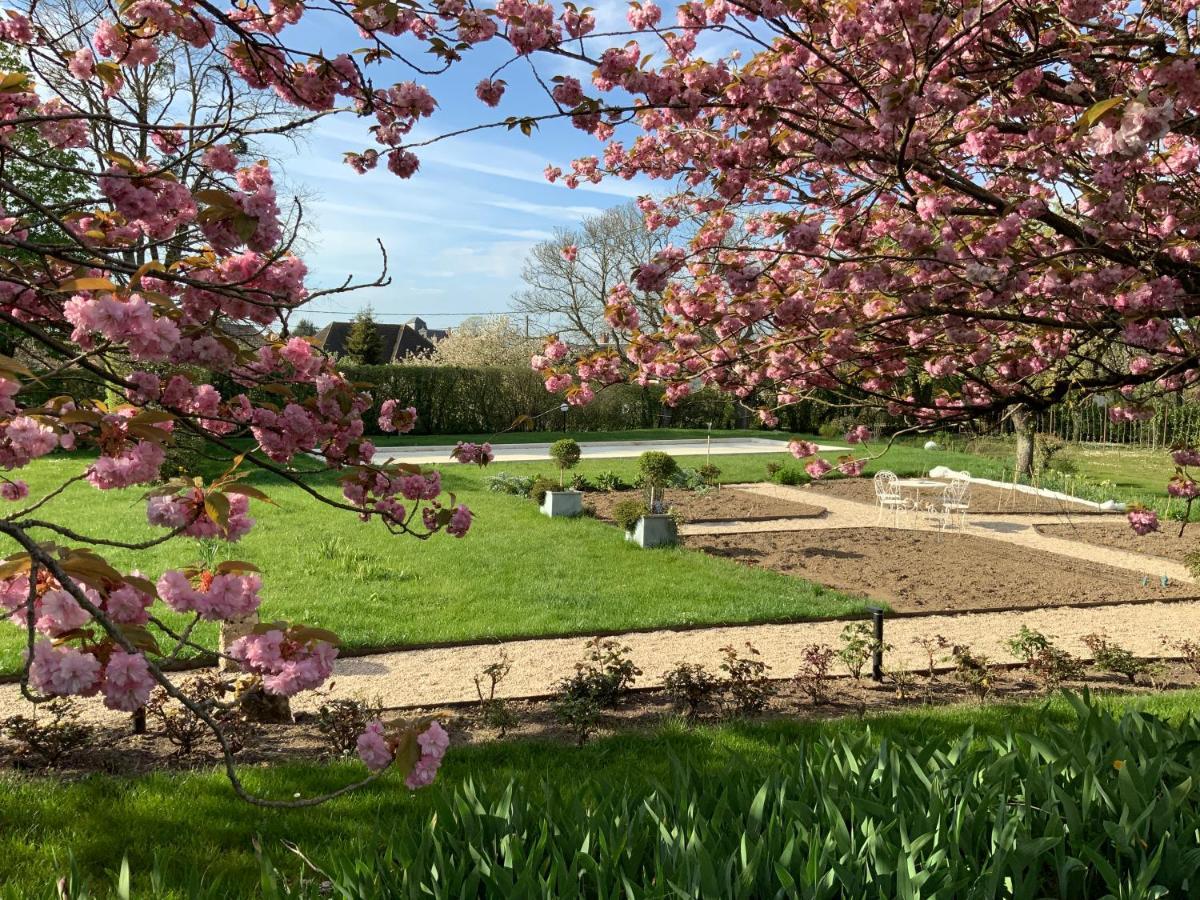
(45, 822)
(517, 572)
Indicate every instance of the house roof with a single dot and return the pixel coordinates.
(396, 342)
(434, 334)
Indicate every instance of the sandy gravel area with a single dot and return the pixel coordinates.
(444, 675)
(1168, 543)
(922, 571)
(723, 505)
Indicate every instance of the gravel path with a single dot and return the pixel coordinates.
(444, 675)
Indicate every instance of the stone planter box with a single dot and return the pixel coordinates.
(653, 531)
(563, 503)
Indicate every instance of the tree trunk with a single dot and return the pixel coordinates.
(1022, 419)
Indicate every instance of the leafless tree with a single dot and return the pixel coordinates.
(568, 296)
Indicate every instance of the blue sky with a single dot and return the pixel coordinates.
(457, 232)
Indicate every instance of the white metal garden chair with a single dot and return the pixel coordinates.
(956, 501)
(887, 493)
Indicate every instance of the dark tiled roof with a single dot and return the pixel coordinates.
(396, 342)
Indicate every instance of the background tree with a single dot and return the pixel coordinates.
(304, 328)
(484, 342)
(363, 343)
(568, 279)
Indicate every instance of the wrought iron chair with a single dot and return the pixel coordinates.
(887, 493)
(956, 501)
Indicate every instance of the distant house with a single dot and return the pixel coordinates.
(396, 342)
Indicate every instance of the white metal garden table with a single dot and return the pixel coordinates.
(916, 486)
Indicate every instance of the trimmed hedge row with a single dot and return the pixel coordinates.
(454, 400)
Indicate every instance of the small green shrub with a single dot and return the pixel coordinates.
(813, 677)
(858, 647)
(494, 711)
(538, 489)
(579, 482)
(566, 454)
(607, 674)
(773, 469)
(657, 467)
(608, 480)
(793, 476)
(710, 474)
(507, 483)
(1049, 664)
(748, 688)
(343, 719)
(971, 670)
(50, 737)
(1112, 657)
(577, 711)
(691, 688)
(627, 512)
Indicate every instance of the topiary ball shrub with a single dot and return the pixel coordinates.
(657, 467)
(566, 453)
(627, 512)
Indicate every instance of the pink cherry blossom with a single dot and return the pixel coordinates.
(14, 490)
(802, 449)
(1143, 521)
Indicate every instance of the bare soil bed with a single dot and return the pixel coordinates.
(1168, 543)
(918, 571)
(985, 500)
(116, 751)
(721, 505)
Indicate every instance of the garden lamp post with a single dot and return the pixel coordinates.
(564, 407)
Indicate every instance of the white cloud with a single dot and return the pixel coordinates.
(383, 212)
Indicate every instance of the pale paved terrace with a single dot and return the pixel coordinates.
(597, 450)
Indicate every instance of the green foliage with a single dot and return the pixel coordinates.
(858, 645)
(1050, 664)
(748, 686)
(971, 669)
(304, 328)
(343, 719)
(577, 710)
(710, 473)
(793, 476)
(627, 512)
(606, 675)
(1110, 656)
(507, 483)
(813, 677)
(691, 688)
(1106, 809)
(579, 482)
(363, 344)
(566, 453)
(608, 480)
(483, 401)
(1104, 806)
(657, 467)
(50, 734)
(494, 710)
(538, 489)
